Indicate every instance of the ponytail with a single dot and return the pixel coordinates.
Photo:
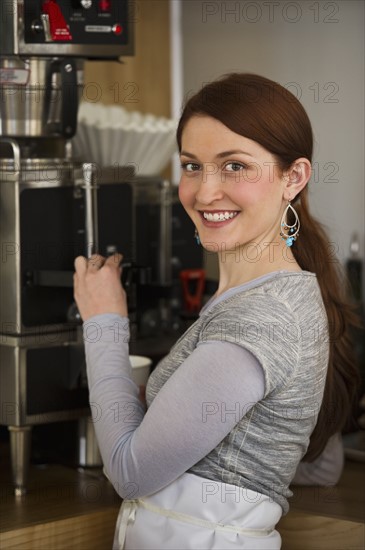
(315, 253)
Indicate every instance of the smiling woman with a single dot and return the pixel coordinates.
(269, 122)
(248, 391)
(235, 175)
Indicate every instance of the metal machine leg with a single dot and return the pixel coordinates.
(20, 445)
(89, 455)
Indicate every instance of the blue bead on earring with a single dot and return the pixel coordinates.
(196, 237)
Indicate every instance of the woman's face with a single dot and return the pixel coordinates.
(230, 186)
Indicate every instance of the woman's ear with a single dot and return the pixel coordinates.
(296, 178)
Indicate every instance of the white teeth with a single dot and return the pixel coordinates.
(219, 217)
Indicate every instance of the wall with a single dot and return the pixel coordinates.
(142, 82)
(316, 49)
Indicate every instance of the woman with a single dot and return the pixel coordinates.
(250, 389)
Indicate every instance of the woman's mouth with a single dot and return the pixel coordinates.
(217, 217)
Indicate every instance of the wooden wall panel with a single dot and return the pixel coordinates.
(142, 82)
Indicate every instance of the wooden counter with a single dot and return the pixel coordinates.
(327, 517)
(75, 510)
(63, 509)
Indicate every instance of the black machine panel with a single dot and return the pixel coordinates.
(94, 22)
(186, 253)
(55, 379)
(52, 235)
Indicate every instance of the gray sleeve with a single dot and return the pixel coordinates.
(324, 470)
(194, 410)
(266, 327)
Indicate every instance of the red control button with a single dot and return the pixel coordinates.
(105, 5)
(117, 28)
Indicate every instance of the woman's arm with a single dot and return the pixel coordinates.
(194, 410)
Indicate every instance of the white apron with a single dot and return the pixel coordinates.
(195, 513)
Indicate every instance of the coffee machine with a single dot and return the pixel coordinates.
(49, 206)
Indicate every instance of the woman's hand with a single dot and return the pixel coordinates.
(97, 286)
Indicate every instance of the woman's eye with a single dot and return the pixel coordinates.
(190, 166)
(234, 167)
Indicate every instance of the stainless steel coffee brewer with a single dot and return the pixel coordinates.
(47, 205)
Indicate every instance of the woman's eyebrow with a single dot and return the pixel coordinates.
(233, 152)
(219, 155)
(186, 154)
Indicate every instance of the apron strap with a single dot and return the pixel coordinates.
(128, 514)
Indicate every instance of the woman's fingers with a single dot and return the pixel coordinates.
(80, 265)
(95, 262)
(114, 260)
(97, 286)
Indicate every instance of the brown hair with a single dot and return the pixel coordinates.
(264, 111)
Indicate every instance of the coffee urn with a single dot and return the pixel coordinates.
(47, 205)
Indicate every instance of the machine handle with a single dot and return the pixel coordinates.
(46, 27)
(90, 187)
(69, 96)
(16, 152)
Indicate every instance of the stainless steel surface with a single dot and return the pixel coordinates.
(12, 389)
(90, 187)
(34, 174)
(21, 402)
(46, 27)
(14, 378)
(76, 50)
(41, 363)
(165, 272)
(20, 444)
(37, 108)
(88, 450)
(15, 159)
(10, 282)
(157, 192)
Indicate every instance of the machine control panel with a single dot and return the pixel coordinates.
(78, 21)
(80, 28)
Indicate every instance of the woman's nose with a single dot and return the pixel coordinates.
(210, 187)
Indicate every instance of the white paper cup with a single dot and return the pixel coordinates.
(141, 367)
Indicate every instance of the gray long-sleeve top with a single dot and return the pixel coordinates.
(215, 390)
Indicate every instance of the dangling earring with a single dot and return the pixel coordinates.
(196, 237)
(289, 233)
